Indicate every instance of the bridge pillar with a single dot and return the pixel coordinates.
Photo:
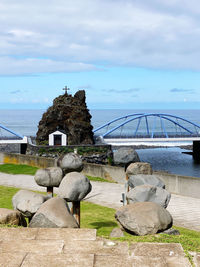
(196, 150)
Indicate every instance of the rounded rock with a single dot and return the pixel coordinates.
(74, 187)
(124, 156)
(149, 193)
(51, 176)
(27, 202)
(141, 179)
(70, 162)
(13, 217)
(139, 168)
(143, 218)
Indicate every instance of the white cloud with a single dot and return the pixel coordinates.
(57, 35)
(13, 66)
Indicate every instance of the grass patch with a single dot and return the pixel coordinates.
(102, 218)
(6, 194)
(97, 217)
(18, 169)
(99, 179)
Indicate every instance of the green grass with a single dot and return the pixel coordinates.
(99, 179)
(6, 194)
(18, 169)
(102, 218)
(26, 169)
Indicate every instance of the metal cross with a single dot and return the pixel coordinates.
(66, 89)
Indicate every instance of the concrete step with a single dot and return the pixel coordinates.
(79, 247)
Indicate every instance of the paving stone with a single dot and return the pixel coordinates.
(66, 234)
(197, 259)
(142, 261)
(112, 261)
(97, 247)
(177, 262)
(11, 259)
(16, 233)
(138, 261)
(71, 260)
(153, 249)
(46, 247)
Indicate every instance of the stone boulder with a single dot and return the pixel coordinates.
(74, 187)
(149, 193)
(124, 156)
(143, 218)
(54, 213)
(27, 202)
(12, 217)
(49, 177)
(70, 162)
(139, 168)
(141, 179)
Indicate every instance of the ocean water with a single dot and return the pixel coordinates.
(25, 122)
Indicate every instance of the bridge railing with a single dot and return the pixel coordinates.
(142, 125)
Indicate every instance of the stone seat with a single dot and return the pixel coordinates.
(79, 247)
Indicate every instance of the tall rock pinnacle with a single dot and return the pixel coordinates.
(68, 113)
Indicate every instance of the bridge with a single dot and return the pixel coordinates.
(8, 136)
(154, 129)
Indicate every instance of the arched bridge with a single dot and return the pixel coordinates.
(148, 127)
(8, 136)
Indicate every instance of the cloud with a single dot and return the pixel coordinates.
(37, 65)
(126, 91)
(59, 36)
(15, 92)
(180, 90)
(84, 87)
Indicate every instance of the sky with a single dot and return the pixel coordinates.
(126, 54)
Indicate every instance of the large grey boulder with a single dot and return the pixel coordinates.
(143, 218)
(74, 187)
(70, 162)
(125, 156)
(149, 193)
(139, 168)
(49, 177)
(12, 217)
(141, 179)
(54, 213)
(27, 202)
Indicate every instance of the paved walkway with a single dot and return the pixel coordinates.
(184, 210)
(63, 247)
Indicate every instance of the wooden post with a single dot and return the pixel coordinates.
(76, 211)
(127, 187)
(50, 191)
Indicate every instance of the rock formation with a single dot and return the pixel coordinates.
(68, 113)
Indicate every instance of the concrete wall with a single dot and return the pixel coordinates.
(39, 162)
(177, 184)
(181, 185)
(105, 171)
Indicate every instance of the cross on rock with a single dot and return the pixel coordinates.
(66, 89)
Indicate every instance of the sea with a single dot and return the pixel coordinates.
(170, 159)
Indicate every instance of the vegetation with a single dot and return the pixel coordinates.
(99, 179)
(81, 150)
(26, 169)
(18, 169)
(102, 218)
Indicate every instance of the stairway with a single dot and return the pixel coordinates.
(58, 247)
